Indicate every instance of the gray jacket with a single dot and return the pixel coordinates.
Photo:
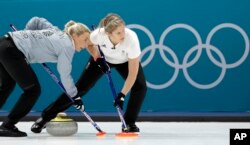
(42, 42)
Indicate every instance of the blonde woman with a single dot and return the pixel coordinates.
(39, 42)
(121, 48)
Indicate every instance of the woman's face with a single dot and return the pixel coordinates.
(81, 41)
(117, 35)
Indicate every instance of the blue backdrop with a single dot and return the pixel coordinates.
(195, 53)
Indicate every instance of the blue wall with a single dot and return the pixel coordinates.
(195, 52)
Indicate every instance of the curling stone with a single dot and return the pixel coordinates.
(62, 125)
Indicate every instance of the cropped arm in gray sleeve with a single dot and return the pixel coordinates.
(64, 68)
(37, 23)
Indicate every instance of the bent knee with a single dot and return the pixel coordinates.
(34, 90)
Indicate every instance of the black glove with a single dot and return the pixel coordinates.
(119, 100)
(78, 103)
(102, 64)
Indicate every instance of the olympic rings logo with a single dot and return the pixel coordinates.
(199, 47)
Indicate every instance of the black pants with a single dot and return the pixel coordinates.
(14, 69)
(87, 80)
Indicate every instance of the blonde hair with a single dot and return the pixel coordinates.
(73, 27)
(110, 22)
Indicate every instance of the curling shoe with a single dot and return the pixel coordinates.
(9, 130)
(131, 128)
(38, 125)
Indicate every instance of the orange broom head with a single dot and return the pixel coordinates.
(127, 135)
(100, 134)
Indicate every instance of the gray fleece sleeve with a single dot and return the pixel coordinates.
(37, 23)
(64, 68)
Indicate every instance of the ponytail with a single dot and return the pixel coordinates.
(73, 27)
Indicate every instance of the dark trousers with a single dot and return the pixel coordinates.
(14, 69)
(91, 74)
